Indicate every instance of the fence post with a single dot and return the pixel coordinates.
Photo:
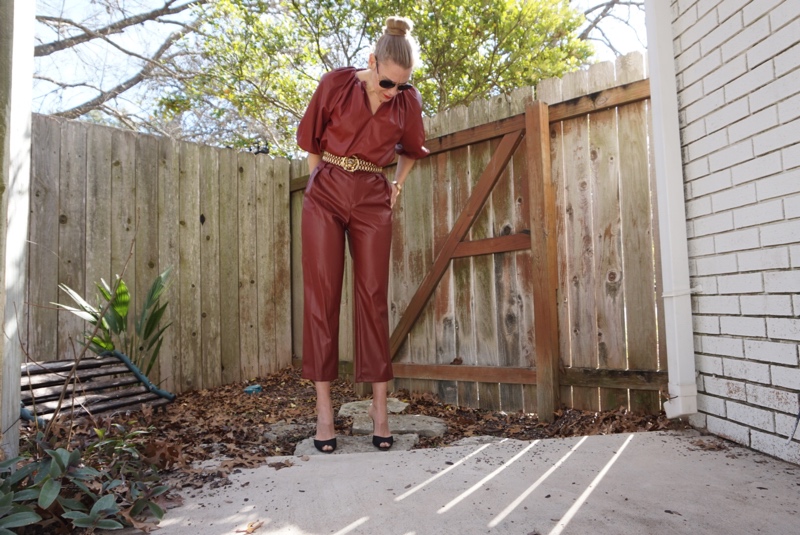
(16, 69)
(545, 258)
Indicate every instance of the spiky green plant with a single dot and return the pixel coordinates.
(143, 344)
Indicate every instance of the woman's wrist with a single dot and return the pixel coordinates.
(398, 185)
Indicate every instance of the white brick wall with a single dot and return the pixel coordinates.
(726, 428)
(751, 416)
(738, 80)
(775, 352)
(764, 259)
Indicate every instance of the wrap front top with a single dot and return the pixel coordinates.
(339, 120)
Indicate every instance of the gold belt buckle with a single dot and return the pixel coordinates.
(350, 163)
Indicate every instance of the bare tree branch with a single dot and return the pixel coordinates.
(112, 93)
(608, 6)
(64, 85)
(607, 10)
(116, 27)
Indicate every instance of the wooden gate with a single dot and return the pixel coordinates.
(524, 256)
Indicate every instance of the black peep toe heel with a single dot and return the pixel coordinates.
(321, 444)
(377, 441)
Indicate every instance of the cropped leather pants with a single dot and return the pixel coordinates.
(357, 205)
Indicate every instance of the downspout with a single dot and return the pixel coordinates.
(671, 212)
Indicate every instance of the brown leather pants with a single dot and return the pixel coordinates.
(339, 203)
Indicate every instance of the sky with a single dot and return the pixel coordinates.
(75, 66)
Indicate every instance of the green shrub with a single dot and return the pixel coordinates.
(105, 487)
(142, 344)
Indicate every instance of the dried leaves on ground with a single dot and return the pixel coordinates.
(206, 434)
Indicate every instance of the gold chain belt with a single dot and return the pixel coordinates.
(351, 163)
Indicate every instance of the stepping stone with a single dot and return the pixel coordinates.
(362, 444)
(424, 426)
(360, 407)
(282, 430)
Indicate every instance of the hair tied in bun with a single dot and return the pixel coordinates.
(403, 51)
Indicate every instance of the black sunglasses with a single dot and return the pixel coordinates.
(388, 84)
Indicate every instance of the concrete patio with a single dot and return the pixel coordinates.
(663, 482)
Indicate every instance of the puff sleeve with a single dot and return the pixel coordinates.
(412, 142)
(318, 114)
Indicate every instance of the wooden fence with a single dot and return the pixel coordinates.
(481, 313)
(229, 224)
(609, 264)
(219, 218)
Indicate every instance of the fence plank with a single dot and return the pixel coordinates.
(43, 250)
(346, 315)
(580, 253)
(645, 381)
(637, 235)
(190, 277)
(421, 341)
(229, 267)
(423, 337)
(495, 374)
(248, 258)
(507, 315)
(656, 402)
(544, 260)
(123, 221)
(169, 256)
(483, 283)
(521, 222)
(487, 328)
(399, 290)
(298, 167)
(99, 204)
(502, 244)
(445, 331)
(444, 312)
(282, 290)
(210, 271)
(265, 246)
(525, 278)
(71, 232)
(460, 183)
(418, 197)
(609, 295)
(549, 91)
(598, 101)
(146, 265)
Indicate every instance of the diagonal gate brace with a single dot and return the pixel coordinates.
(480, 194)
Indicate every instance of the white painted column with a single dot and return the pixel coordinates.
(16, 78)
(671, 212)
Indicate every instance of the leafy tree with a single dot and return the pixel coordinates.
(472, 50)
(262, 60)
(240, 72)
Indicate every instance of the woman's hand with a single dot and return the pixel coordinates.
(395, 192)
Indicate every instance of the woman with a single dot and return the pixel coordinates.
(356, 122)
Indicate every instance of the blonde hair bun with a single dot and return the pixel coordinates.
(397, 44)
(399, 26)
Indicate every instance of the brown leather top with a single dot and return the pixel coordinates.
(339, 120)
